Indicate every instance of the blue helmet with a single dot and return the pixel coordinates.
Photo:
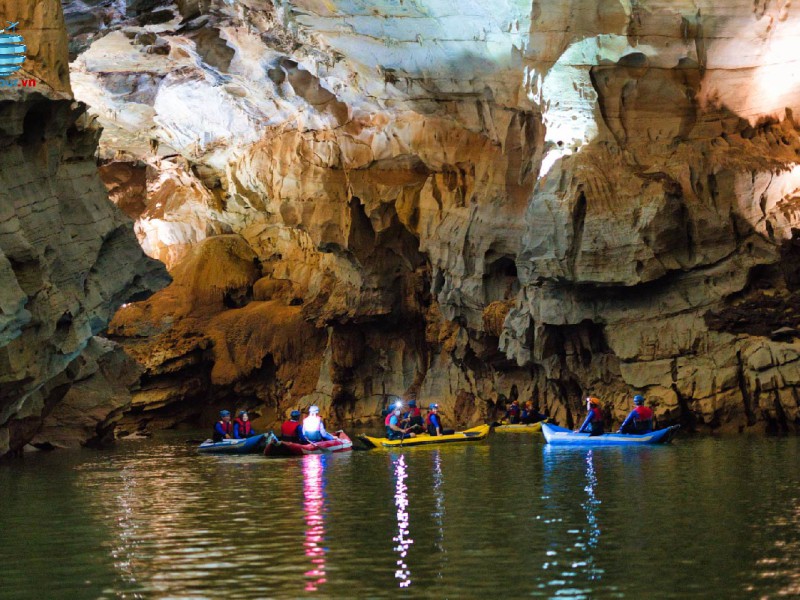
(224, 413)
(242, 412)
(295, 414)
(638, 399)
(412, 402)
(433, 406)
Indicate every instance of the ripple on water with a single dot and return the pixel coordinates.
(704, 518)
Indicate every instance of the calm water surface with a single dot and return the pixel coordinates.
(509, 517)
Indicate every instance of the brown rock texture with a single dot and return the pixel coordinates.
(462, 203)
(68, 258)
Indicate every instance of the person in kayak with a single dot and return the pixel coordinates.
(593, 425)
(223, 429)
(292, 430)
(313, 430)
(640, 419)
(394, 426)
(242, 427)
(531, 415)
(513, 413)
(414, 416)
(434, 422)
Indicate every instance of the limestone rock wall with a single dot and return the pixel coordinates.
(459, 201)
(68, 258)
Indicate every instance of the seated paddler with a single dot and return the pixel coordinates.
(292, 429)
(394, 425)
(640, 419)
(242, 427)
(434, 422)
(223, 429)
(593, 425)
(530, 414)
(313, 429)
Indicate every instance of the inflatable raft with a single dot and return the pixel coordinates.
(519, 427)
(249, 445)
(475, 434)
(276, 447)
(558, 436)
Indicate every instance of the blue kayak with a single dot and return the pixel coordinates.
(249, 445)
(558, 436)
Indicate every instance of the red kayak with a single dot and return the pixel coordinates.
(275, 447)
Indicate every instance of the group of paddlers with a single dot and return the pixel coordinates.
(408, 422)
(401, 424)
(238, 429)
(312, 429)
(638, 421)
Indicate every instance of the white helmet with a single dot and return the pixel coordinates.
(313, 410)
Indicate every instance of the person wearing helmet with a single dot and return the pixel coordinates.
(292, 430)
(640, 419)
(414, 416)
(593, 425)
(242, 427)
(223, 429)
(513, 413)
(434, 422)
(531, 415)
(313, 429)
(394, 425)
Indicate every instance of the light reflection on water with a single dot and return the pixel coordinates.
(314, 505)
(403, 537)
(704, 518)
(439, 511)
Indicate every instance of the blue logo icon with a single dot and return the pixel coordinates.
(12, 50)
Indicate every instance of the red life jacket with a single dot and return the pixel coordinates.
(415, 412)
(643, 413)
(244, 427)
(598, 414)
(227, 427)
(289, 429)
(388, 418)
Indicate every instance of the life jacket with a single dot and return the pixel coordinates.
(388, 422)
(643, 421)
(311, 424)
(597, 420)
(431, 426)
(227, 427)
(289, 430)
(245, 427)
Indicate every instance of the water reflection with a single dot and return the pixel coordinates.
(402, 539)
(780, 566)
(123, 552)
(590, 506)
(314, 506)
(438, 496)
(570, 555)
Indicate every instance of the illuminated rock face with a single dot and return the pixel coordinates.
(464, 201)
(68, 258)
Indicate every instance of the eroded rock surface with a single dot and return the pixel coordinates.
(68, 258)
(464, 202)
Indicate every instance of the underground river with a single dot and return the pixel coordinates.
(510, 516)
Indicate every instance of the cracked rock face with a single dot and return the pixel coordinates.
(463, 202)
(68, 258)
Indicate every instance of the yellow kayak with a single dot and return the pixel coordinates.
(475, 434)
(520, 427)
